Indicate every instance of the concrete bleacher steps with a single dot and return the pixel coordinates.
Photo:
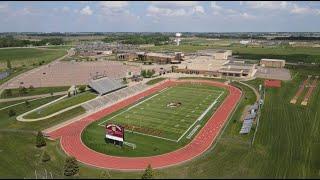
(113, 97)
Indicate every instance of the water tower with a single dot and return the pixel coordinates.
(177, 40)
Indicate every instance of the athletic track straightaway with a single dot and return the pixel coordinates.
(72, 144)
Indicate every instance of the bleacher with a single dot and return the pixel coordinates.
(112, 97)
(105, 85)
(249, 118)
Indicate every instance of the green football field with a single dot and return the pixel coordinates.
(155, 117)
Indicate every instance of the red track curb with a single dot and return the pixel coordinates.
(72, 144)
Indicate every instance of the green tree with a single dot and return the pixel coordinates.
(8, 92)
(9, 64)
(23, 90)
(148, 173)
(45, 157)
(40, 141)
(31, 88)
(71, 166)
(82, 88)
(11, 113)
(105, 175)
(143, 73)
(27, 103)
(124, 80)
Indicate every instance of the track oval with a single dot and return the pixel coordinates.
(72, 144)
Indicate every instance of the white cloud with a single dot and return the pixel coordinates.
(3, 6)
(198, 10)
(267, 4)
(247, 16)
(304, 10)
(156, 11)
(215, 6)
(219, 10)
(175, 3)
(65, 9)
(114, 4)
(86, 11)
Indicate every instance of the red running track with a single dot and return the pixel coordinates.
(72, 144)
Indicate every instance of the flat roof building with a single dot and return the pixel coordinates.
(276, 63)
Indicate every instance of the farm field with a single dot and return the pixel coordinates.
(60, 105)
(32, 92)
(28, 56)
(154, 127)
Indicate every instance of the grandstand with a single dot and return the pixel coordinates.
(249, 118)
(113, 97)
(105, 85)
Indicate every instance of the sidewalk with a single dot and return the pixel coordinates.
(32, 97)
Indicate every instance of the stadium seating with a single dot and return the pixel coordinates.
(113, 97)
(105, 85)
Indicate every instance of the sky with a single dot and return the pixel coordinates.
(160, 16)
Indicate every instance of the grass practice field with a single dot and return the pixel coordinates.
(28, 56)
(155, 127)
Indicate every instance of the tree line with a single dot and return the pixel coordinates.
(157, 39)
(9, 41)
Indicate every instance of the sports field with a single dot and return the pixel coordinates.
(154, 126)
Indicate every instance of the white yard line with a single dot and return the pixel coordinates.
(151, 135)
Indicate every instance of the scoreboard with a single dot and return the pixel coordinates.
(115, 132)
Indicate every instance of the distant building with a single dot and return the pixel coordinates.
(244, 42)
(222, 54)
(216, 54)
(276, 63)
(240, 70)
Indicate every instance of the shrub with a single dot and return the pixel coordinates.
(45, 157)
(71, 166)
(11, 113)
(148, 173)
(40, 141)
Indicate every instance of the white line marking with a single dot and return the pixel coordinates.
(201, 116)
(193, 131)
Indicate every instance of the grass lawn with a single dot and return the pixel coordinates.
(6, 121)
(156, 127)
(32, 92)
(155, 81)
(28, 56)
(60, 105)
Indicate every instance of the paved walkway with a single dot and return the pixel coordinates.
(72, 144)
(33, 97)
(253, 89)
(21, 118)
